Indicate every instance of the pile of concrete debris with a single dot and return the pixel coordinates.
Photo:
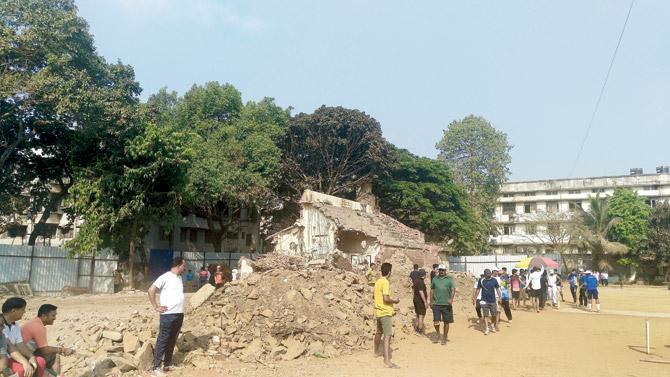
(284, 310)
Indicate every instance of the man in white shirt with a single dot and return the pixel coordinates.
(171, 311)
(552, 287)
(21, 359)
(535, 287)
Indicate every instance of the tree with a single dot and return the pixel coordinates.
(478, 156)
(659, 236)
(60, 103)
(633, 213)
(421, 193)
(333, 150)
(236, 155)
(592, 233)
(558, 230)
(124, 191)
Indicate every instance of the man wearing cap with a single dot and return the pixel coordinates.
(442, 292)
(489, 287)
(553, 288)
(591, 290)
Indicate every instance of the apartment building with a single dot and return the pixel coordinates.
(532, 216)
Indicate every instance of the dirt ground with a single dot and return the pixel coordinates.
(567, 341)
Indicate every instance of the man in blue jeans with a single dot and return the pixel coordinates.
(171, 311)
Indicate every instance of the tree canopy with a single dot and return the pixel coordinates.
(478, 156)
(421, 193)
(333, 150)
(633, 213)
(659, 235)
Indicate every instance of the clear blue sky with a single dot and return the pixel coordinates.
(532, 68)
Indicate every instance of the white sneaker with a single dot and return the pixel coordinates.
(493, 329)
(486, 332)
(158, 372)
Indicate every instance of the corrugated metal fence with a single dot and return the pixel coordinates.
(195, 260)
(476, 264)
(49, 269)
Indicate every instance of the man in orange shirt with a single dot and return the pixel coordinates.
(34, 333)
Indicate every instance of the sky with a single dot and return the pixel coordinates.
(534, 69)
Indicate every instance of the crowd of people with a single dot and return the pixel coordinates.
(495, 291)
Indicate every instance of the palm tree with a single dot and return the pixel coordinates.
(596, 224)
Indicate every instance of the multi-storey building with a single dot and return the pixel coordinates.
(532, 216)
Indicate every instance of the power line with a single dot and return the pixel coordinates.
(602, 89)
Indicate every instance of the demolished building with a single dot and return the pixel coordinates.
(330, 225)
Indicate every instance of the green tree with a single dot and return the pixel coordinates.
(333, 150)
(236, 158)
(659, 236)
(60, 102)
(421, 193)
(633, 214)
(478, 156)
(137, 184)
(591, 233)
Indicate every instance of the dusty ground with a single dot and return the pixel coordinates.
(552, 343)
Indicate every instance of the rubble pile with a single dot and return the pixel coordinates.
(284, 310)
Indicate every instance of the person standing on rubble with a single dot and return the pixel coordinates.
(384, 315)
(171, 311)
(442, 291)
(370, 275)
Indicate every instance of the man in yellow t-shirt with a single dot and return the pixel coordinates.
(384, 314)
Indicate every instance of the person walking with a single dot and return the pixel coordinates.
(544, 286)
(171, 311)
(218, 277)
(476, 298)
(515, 283)
(582, 289)
(573, 281)
(442, 291)
(420, 301)
(203, 277)
(604, 278)
(523, 280)
(591, 282)
(504, 301)
(384, 315)
(552, 289)
(535, 287)
(488, 287)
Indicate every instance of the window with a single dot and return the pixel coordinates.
(507, 195)
(249, 239)
(183, 234)
(509, 208)
(650, 188)
(552, 193)
(552, 207)
(531, 229)
(528, 207)
(508, 229)
(553, 228)
(574, 192)
(193, 236)
(574, 205)
(652, 202)
(597, 190)
(528, 194)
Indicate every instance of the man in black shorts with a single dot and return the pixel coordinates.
(489, 287)
(443, 290)
(535, 286)
(420, 301)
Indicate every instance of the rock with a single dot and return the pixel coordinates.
(278, 351)
(267, 313)
(306, 293)
(291, 295)
(144, 357)
(124, 365)
(80, 372)
(229, 311)
(130, 343)
(201, 296)
(293, 349)
(253, 295)
(114, 349)
(216, 340)
(201, 362)
(315, 347)
(114, 336)
(341, 316)
(103, 366)
(329, 296)
(253, 349)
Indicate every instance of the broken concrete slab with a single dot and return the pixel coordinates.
(201, 296)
